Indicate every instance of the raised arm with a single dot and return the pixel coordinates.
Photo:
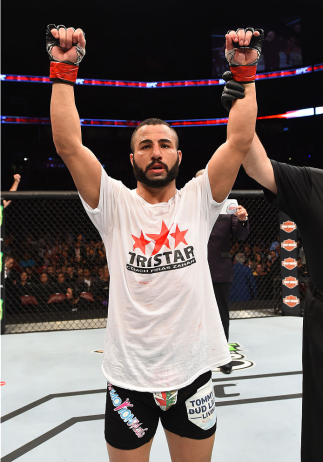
(14, 187)
(226, 161)
(258, 166)
(81, 162)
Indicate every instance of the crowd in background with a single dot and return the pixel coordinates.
(70, 273)
(77, 268)
(256, 268)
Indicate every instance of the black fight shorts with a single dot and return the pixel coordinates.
(131, 417)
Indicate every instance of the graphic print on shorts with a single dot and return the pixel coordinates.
(201, 407)
(150, 255)
(126, 415)
(166, 399)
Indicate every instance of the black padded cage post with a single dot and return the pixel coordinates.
(2, 270)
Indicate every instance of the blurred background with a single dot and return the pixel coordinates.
(150, 42)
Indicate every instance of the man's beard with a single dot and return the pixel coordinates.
(141, 175)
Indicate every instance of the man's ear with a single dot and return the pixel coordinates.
(180, 155)
(131, 158)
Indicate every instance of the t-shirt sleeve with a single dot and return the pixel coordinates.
(103, 215)
(294, 188)
(210, 207)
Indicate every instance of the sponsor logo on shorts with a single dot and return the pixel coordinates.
(289, 245)
(150, 255)
(291, 301)
(288, 226)
(166, 399)
(289, 263)
(290, 282)
(125, 414)
(201, 407)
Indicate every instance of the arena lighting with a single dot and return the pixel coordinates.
(174, 123)
(170, 84)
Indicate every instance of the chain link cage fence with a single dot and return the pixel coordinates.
(57, 276)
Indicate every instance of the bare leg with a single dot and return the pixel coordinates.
(189, 450)
(134, 455)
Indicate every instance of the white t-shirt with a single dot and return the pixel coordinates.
(164, 328)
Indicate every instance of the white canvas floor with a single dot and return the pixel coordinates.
(53, 401)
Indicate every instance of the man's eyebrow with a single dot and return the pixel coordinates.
(160, 141)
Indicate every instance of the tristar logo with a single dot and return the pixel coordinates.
(289, 263)
(154, 260)
(289, 245)
(288, 226)
(291, 301)
(290, 282)
(239, 360)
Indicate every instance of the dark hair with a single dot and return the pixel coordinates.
(151, 121)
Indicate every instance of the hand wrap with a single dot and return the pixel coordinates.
(65, 71)
(245, 73)
(231, 92)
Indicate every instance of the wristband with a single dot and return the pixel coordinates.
(63, 72)
(244, 74)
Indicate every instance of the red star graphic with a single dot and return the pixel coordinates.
(140, 242)
(179, 236)
(160, 239)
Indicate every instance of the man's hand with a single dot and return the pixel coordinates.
(243, 49)
(241, 56)
(64, 48)
(17, 178)
(241, 213)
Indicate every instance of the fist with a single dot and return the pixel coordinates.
(241, 213)
(17, 178)
(242, 56)
(68, 39)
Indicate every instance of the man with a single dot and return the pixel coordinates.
(164, 333)
(243, 288)
(220, 262)
(298, 192)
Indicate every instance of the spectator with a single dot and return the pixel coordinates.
(263, 289)
(247, 252)
(27, 262)
(70, 275)
(43, 290)
(274, 245)
(14, 187)
(51, 273)
(302, 269)
(270, 50)
(243, 288)
(86, 278)
(61, 285)
(74, 300)
(9, 272)
(259, 271)
(32, 275)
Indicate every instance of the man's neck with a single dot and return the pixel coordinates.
(156, 195)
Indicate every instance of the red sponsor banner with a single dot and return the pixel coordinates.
(290, 282)
(288, 226)
(291, 301)
(289, 263)
(289, 244)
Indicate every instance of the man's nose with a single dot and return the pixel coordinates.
(156, 150)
